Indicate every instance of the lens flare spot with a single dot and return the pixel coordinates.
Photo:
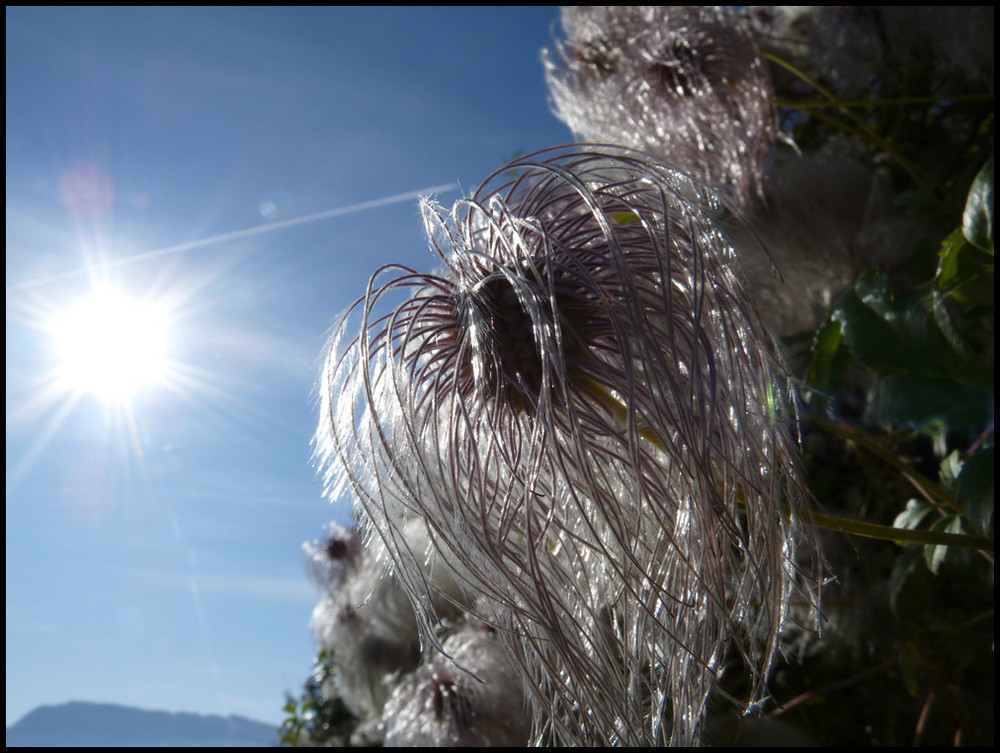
(87, 190)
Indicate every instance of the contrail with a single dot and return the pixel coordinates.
(260, 229)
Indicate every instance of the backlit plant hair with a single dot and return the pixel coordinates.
(469, 696)
(686, 84)
(364, 623)
(583, 412)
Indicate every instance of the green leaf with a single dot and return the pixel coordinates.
(935, 554)
(829, 359)
(950, 259)
(977, 220)
(964, 272)
(916, 510)
(899, 333)
(929, 405)
(976, 489)
(872, 327)
(950, 469)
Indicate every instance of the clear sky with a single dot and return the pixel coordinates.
(154, 527)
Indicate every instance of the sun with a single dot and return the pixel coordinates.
(111, 345)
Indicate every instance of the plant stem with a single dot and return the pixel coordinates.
(929, 490)
(840, 685)
(899, 535)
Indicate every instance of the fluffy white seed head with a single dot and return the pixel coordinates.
(470, 696)
(685, 84)
(585, 415)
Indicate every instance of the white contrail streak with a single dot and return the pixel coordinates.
(234, 235)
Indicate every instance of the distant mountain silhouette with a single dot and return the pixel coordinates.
(110, 725)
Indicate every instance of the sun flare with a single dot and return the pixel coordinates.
(111, 345)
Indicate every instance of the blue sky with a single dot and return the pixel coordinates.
(153, 549)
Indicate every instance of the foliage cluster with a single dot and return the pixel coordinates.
(314, 718)
(898, 425)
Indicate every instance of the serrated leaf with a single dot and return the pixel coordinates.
(869, 336)
(977, 220)
(899, 334)
(976, 489)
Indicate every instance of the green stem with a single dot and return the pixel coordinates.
(929, 490)
(900, 535)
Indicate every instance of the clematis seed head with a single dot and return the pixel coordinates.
(577, 430)
(685, 84)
